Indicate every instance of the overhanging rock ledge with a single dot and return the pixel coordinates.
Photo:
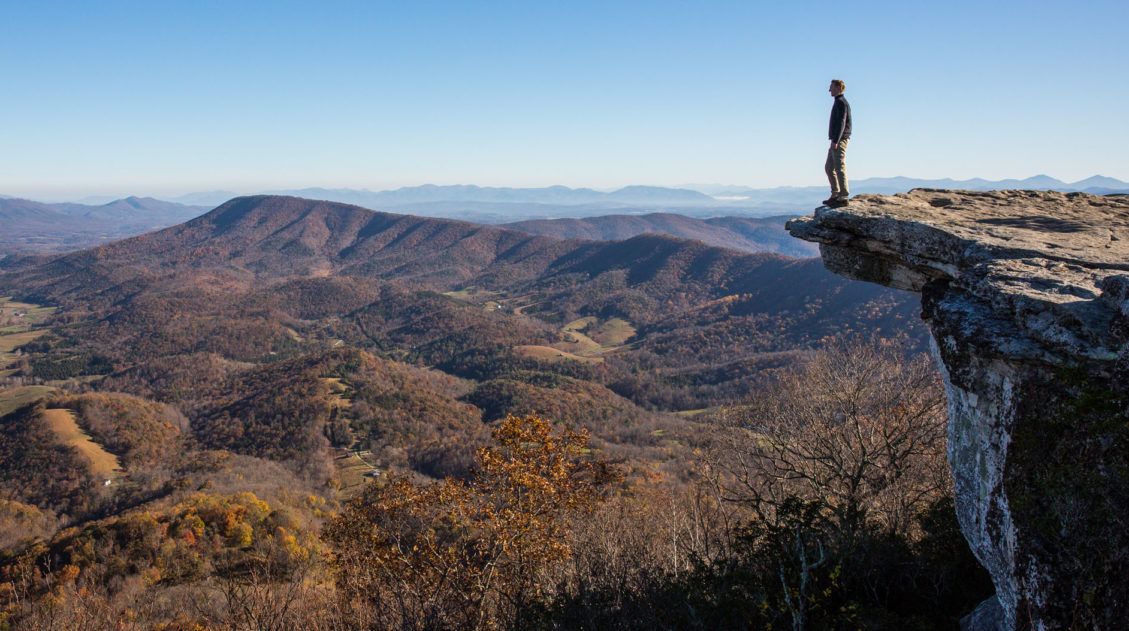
(1026, 295)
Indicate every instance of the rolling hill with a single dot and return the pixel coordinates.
(267, 277)
(252, 240)
(235, 379)
(750, 234)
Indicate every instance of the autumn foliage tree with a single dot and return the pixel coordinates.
(468, 553)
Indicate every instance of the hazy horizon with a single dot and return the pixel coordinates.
(95, 196)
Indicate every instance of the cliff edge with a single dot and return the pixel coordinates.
(1027, 298)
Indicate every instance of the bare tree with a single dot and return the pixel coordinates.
(859, 426)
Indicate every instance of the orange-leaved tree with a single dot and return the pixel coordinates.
(468, 553)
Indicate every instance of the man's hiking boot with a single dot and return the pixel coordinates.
(829, 201)
(836, 202)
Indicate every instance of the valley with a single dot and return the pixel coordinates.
(450, 316)
(36, 227)
(303, 353)
(654, 324)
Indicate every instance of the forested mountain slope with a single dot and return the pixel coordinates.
(750, 234)
(218, 389)
(252, 277)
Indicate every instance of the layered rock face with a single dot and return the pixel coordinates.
(1027, 297)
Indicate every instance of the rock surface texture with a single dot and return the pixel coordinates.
(1027, 297)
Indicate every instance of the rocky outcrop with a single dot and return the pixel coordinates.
(1027, 297)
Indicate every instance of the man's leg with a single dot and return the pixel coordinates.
(841, 170)
(829, 168)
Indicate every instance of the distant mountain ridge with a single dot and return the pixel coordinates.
(719, 195)
(273, 237)
(1096, 184)
(144, 212)
(36, 226)
(485, 204)
(750, 234)
(42, 227)
(472, 193)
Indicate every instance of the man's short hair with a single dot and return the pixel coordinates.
(839, 84)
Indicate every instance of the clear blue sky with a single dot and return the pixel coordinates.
(166, 97)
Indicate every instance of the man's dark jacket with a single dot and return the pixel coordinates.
(840, 128)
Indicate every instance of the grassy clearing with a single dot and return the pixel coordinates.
(103, 464)
(580, 344)
(691, 413)
(9, 342)
(580, 324)
(354, 471)
(590, 337)
(614, 332)
(548, 353)
(338, 391)
(19, 324)
(13, 398)
(484, 298)
(475, 296)
(21, 315)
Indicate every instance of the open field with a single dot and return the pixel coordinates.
(475, 295)
(554, 354)
(9, 342)
(484, 298)
(13, 398)
(19, 324)
(613, 332)
(337, 391)
(354, 468)
(354, 471)
(590, 337)
(609, 333)
(103, 464)
(21, 315)
(580, 324)
(579, 343)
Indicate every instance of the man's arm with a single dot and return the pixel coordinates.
(839, 122)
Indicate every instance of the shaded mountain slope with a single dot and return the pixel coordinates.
(275, 237)
(749, 234)
(261, 238)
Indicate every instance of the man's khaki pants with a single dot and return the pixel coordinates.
(836, 168)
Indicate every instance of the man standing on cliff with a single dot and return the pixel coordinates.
(839, 132)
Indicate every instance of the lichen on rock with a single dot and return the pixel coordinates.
(1026, 295)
